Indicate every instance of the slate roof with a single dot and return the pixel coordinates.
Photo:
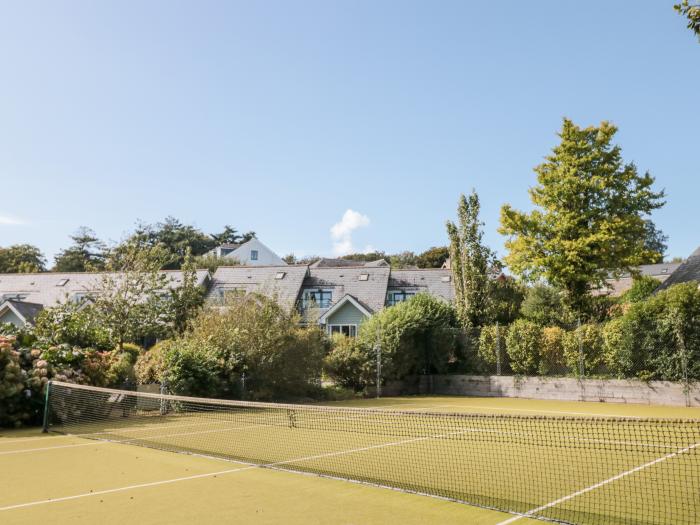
(28, 311)
(371, 293)
(262, 280)
(687, 271)
(49, 288)
(435, 281)
(346, 263)
(616, 287)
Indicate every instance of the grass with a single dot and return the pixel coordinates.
(518, 463)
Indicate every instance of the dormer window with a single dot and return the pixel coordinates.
(398, 296)
(317, 299)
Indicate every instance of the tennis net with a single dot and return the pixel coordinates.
(565, 469)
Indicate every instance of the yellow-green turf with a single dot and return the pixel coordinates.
(38, 468)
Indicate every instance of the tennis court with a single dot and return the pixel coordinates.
(574, 462)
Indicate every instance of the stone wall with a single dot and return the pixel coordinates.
(561, 388)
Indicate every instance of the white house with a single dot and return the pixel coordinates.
(251, 253)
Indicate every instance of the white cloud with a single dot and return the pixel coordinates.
(341, 232)
(6, 220)
(369, 249)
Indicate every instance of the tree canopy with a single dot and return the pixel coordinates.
(87, 254)
(590, 217)
(690, 10)
(21, 258)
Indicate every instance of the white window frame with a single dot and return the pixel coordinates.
(352, 329)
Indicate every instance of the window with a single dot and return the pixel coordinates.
(445, 279)
(364, 277)
(225, 251)
(62, 282)
(397, 296)
(13, 296)
(253, 255)
(280, 275)
(317, 298)
(226, 294)
(349, 330)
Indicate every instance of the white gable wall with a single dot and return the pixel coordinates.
(266, 257)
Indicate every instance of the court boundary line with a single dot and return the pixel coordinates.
(532, 512)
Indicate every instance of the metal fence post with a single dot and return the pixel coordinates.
(47, 408)
(378, 350)
(581, 361)
(498, 349)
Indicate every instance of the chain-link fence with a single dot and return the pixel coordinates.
(596, 350)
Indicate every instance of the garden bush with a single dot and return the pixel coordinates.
(523, 346)
(489, 338)
(192, 369)
(150, 365)
(417, 336)
(552, 351)
(618, 348)
(349, 364)
(586, 339)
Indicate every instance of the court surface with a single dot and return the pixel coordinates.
(67, 479)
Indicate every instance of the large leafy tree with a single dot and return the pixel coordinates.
(690, 10)
(21, 258)
(87, 254)
(471, 263)
(590, 217)
(433, 257)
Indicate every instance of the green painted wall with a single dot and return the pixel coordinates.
(347, 314)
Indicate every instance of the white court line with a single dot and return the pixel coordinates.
(211, 474)
(34, 438)
(598, 485)
(24, 450)
(479, 407)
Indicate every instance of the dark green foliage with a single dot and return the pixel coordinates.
(523, 346)
(255, 336)
(418, 336)
(192, 369)
(642, 288)
(544, 305)
(433, 257)
(471, 262)
(72, 324)
(350, 364)
(21, 258)
(87, 254)
(658, 338)
(230, 235)
(507, 296)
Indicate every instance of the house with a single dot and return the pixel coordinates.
(337, 263)
(616, 287)
(687, 271)
(251, 253)
(24, 295)
(281, 283)
(338, 298)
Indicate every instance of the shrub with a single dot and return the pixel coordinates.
(348, 364)
(150, 365)
(588, 339)
(552, 350)
(489, 338)
(70, 324)
(192, 369)
(662, 335)
(12, 383)
(122, 363)
(544, 305)
(255, 336)
(618, 348)
(417, 336)
(522, 345)
(642, 288)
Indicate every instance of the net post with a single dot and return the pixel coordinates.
(45, 425)
(581, 359)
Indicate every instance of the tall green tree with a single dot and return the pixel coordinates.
(691, 11)
(471, 262)
(590, 216)
(87, 254)
(21, 258)
(186, 299)
(230, 235)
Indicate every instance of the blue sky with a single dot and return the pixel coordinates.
(279, 116)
